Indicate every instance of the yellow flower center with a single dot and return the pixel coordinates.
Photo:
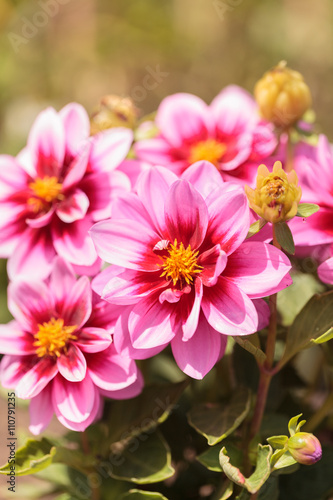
(274, 190)
(181, 264)
(45, 190)
(52, 338)
(209, 150)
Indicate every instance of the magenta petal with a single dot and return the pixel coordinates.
(190, 322)
(130, 207)
(77, 306)
(126, 243)
(74, 207)
(186, 215)
(62, 279)
(12, 176)
(93, 339)
(197, 356)
(204, 176)
(112, 371)
(156, 151)
(13, 340)
(81, 425)
(151, 323)
(258, 268)
(77, 127)
(213, 262)
(128, 392)
(42, 220)
(73, 243)
(34, 380)
(76, 170)
(41, 411)
(13, 368)
(110, 148)
(228, 309)
(72, 365)
(46, 142)
(263, 313)
(73, 400)
(325, 271)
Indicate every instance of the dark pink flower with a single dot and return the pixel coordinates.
(183, 267)
(56, 188)
(59, 351)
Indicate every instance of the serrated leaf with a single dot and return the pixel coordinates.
(255, 227)
(142, 495)
(211, 457)
(277, 441)
(284, 237)
(216, 421)
(307, 209)
(34, 456)
(251, 343)
(143, 462)
(324, 338)
(314, 320)
(259, 476)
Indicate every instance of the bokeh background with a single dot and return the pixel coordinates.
(56, 51)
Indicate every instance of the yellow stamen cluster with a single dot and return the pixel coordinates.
(52, 338)
(114, 111)
(276, 196)
(45, 190)
(209, 150)
(181, 264)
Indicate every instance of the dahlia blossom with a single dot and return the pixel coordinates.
(183, 268)
(56, 188)
(228, 133)
(59, 352)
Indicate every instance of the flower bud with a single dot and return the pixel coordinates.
(114, 111)
(305, 448)
(276, 196)
(282, 96)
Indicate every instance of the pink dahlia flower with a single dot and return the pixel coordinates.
(59, 352)
(183, 267)
(228, 133)
(56, 188)
(325, 271)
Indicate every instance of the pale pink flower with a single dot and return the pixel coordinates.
(325, 271)
(56, 188)
(228, 133)
(182, 267)
(59, 351)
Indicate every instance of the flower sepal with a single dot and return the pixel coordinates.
(307, 209)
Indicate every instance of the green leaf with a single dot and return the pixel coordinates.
(270, 490)
(259, 476)
(255, 227)
(228, 489)
(216, 421)
(307, 209)
(314, 320)
(147, 461)
(286, 460)
(74, 458)
(295, 426)
(32, 457)
(324, 338)
(277, 441)
(251, 343)
(142, 495)
(211, 457)
(284, 237)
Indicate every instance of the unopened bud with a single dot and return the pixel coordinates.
(282, 96)
(276, 196)
(305, 448)
(114, 111)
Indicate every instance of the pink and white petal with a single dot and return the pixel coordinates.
(190, 317)
(91, 270)
(126, 243)
(238, 151)
(213, 262)
(182, 117)
(325, 271)
(197, 356)
(263, 313)
(77, 168)
(100, 281)
(41, 411)
(14, 340)
(128, 392)
(73, 243)
(27, 161)
(186, 215)
(132, 169)
(94, 414)
(77, 306)
(73, 400)
(12, 176)
(315, 230)
(72, 365)
(264, 141)
(258, 268)
(153, 186)
(92, 339)
(33, 257)
(228, 309)
(74, 207)
(37, 378)
(151, 323)
(155, 151)
(110, 148)
(130, 207)
(77, 126)
(170, 295)
(46, 143)
(229, 219)
(62, 279)
(13, 368)
(12, 227)
(204, 176)
(42, 220)
(111, 371)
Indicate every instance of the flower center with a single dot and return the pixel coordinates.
(274, 190)
(45, 190)
(52, 338)
(180, 264)
(209, 150)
